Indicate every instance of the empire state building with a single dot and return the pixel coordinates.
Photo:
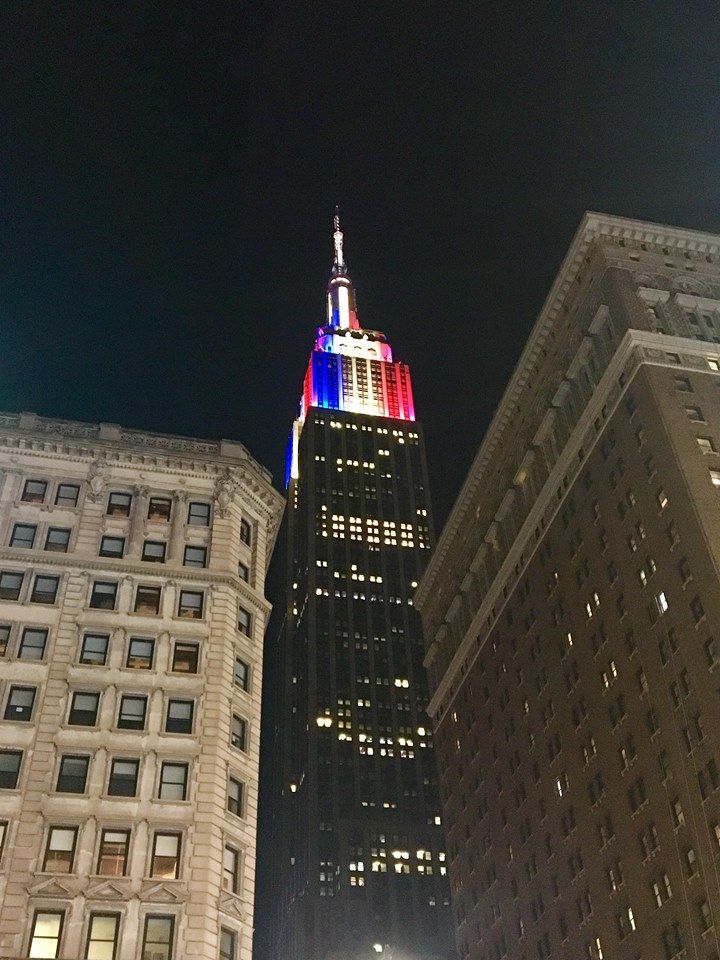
(363, 863)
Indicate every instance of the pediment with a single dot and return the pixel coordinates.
(52, 888)
(162, 893)
(108, 890)
(232, 906)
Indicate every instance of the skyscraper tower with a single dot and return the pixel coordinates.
(363, 866)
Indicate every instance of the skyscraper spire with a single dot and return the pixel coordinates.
(340, 293)
(339, 263)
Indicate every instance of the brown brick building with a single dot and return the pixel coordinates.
(572, 612)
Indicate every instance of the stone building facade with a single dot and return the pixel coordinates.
(570, 612)
(132, 614)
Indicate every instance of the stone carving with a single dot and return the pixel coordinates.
(226, 487)
(691, 285)
(96, 480)
(66, 428)
(168, 443)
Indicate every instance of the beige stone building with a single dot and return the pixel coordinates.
(571, 614)
(132, 614)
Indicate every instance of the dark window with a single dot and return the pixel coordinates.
(244, 621)
(32, 645)
(67, 495)
(119, 504)
(140, 653)
(83, 709)
(231, 869)
(102, 936)
(10, 761)
(4, 638)
(73, 774)
(46, 932)
(173, 781)
(123, 778)
(158, 938)
(191, 604)
(185, 658)
(238, 735)
(23, 535)
(195, 556)
(112, 547)
(242, 674)
(179, 716)
(159, 508)
(44, 589)
(132, 712)
(94, 648)
(166, 856)
(34, 491)
(19, 704)
(228, 941)
(235, 796)
(199, 514)
(10, 584)
(245, 532)
(103, 595)
(3, 834)
(60, 850)
(147, 600)
(113, 854)
(58, 539)
(154, 551)
(244, 572)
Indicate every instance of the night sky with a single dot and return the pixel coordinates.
(168, 174)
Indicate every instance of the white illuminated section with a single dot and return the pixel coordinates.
(329, 309)
(343, 307)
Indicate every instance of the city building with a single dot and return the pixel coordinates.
(571, 614)
(132, 614)
(362, 862)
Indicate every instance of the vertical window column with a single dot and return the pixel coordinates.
(176, 540)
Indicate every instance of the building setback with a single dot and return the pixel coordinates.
(132, 614)
(571, 610)
(362, 863)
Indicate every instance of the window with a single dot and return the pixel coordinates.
(683, 385)
(119, 504)
(72, 775)
(83, 709)
(235, 796)
(195, 556)
(191, 604)
(238, 733)
(691, 862)
(102, 936)
(712, 652)
(94, 648)
(245, 532)
(10, 584)
(58, 539)
(112, 547)
(228, 941)
(661, 603)
(132, 712)
(140, 654)
(10, 761)
(715, 477)
(67, 495)
(33, 643)
(695, 414)
(231, 869)
(185, 658)
(113, 853)
(147, 600)
(154, 551)
(706, 920)
(19, 704)
(697, 609)
(244, 621)
(123, 778)
(173, 781)
(244, 572)
(46, 932)
(103, 595)
(60, 850)
(44, 589)
(34, 491)
(3, 834)
(179, 717)
(706, 445)
(158, 938)
(166, 856)
(159, 508)
(199, 514)
(4, 638)
(242, 674)
(23, 535)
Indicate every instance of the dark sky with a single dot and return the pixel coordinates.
(168, 173)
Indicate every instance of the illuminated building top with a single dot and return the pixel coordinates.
(350, 368)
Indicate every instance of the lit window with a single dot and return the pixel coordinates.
(706, 444)
(159, 509)
(231, 869)
(147, 600)
(715, 477)
(158, 938)
(191, 604)
(102, 936)
(185, 658)
(228, 944)
(119, 505)
(46, 933)
(113, 853)
(60, 850)
(166, 856)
